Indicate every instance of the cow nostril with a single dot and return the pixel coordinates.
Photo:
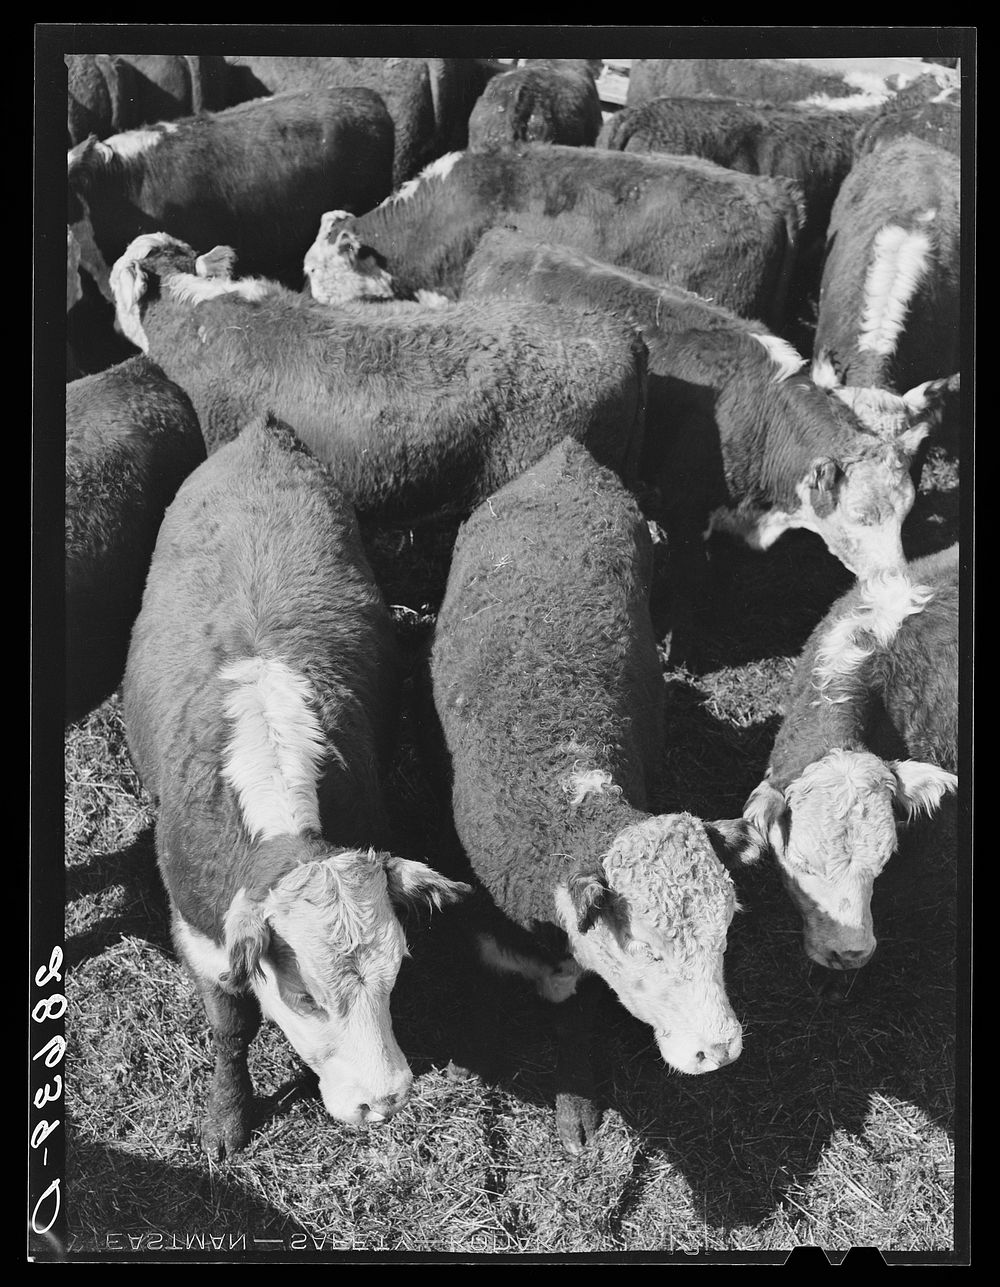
(720, 1054)
(848, 960)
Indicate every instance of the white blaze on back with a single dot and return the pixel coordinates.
(134, 142)
(439, 169)
(276, 751)
(899, 260)
(786, 359)
(886, 601)
(187, 288)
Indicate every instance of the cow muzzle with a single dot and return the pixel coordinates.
(357, 1105)
(696, 1056)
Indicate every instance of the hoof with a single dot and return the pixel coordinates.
(221, 1139)
(577, 1120)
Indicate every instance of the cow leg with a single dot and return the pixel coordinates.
(577, 1114)
(234, 1020)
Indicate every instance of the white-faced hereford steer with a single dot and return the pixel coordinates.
(258, 703)
(876, 683)
(132, 437)
(415, 410)
(738, 438)
(340, 269)
(730, 236)
(888, 332)
(549, 690)
(256, 176)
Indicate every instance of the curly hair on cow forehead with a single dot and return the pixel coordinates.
(342, 898)
(842, 805)
(668, 872)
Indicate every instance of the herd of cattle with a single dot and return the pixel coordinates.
(302, 291)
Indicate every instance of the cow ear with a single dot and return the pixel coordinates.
(824, 373)
(128, 281)
(823, 474)
(413, 884)
(925, 406)
(220, 261)
(330, 223)
(921, 787)
(77, 154)
(767, 812)
(87, 156)
(589, 893)
(737, 842)
(246, 935)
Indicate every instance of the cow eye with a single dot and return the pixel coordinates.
(638, 948)
(307, 1004)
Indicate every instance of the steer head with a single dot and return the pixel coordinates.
(902, 419)
(157, 265)
(832, 831)
(321, 950)
(651, 919)
(340, 268)
(146, 259)
(857, 504)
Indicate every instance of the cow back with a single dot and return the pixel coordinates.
(259, 555)
(544, 658)
(679, 218)
(537, 104)
(132, 437)
(429, 99)
(413, 409)
(256, 176)
(889, 300)
(771, 80)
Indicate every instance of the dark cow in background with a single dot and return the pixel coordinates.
(74, 293)
(109, 93)
(132, 437)
(416, 410)
(828, 81)
(259, 705)
(429, 99)
(738, 438)
(877, 683)
(812, 145)
(729, 236)
(542, 101)
(257, 176)
(92, 341)
(889, 306)
(101, 96)
(548, 687)
(773, 80)
(934, 122)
